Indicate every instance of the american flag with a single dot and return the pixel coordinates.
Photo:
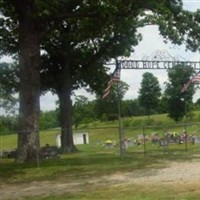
(114, 78)
(194, 79)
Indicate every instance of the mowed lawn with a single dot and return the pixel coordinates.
(99, 173)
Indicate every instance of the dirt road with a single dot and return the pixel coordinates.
(173, 173)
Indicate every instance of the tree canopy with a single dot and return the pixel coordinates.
(109, 27)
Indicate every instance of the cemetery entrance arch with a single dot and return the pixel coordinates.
(160, 59)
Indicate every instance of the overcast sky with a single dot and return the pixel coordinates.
(151, 42)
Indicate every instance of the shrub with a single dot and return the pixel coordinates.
(127, 122)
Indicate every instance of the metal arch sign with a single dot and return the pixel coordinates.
(159, 59)
(156, 64)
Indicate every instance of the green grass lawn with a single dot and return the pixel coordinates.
(130, 192)
(109, 130)
(98, 162)
(95, 161)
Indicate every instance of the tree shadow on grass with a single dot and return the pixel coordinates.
(85, 164)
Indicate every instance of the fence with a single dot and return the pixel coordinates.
(147, 139)
(159, 139)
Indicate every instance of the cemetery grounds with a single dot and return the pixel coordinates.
(97, 172)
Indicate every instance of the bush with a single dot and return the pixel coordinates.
(127, 122)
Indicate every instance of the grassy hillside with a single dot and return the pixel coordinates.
(102, 131)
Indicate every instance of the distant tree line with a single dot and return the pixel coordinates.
(85, 111)
(150, 101)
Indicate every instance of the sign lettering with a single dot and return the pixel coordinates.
(145, 64)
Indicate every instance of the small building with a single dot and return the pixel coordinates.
(79, 138)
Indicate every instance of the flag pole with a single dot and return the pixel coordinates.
(119, 115)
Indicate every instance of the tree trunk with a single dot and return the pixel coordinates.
(64, 96)
(29, 61)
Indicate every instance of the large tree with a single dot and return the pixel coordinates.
(30, 20)
(109, 33)
(78, 48)
(149, 92)
(178, 103)
(62, 79)
(23, 25)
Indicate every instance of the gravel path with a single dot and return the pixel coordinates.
(188, 172)
(175, 172)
